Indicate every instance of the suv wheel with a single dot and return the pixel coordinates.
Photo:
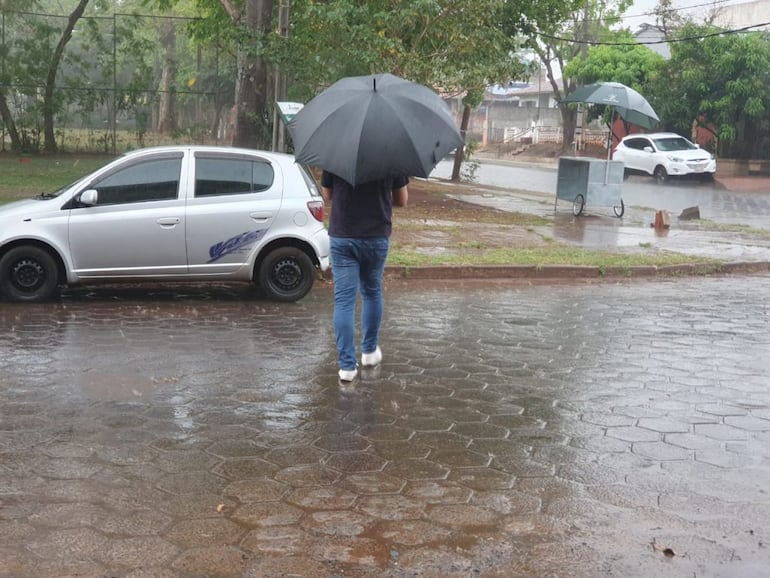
(660, 174)
(286, 274)
(28, 273)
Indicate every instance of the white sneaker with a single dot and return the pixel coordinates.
(348, 374)
(371, 359)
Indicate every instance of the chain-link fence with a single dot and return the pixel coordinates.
(123, 81)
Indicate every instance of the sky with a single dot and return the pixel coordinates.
(640, 12)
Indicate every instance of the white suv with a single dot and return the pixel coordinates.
(664, 154)
(169, 214)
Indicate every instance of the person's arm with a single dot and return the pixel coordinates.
(400, 197)
(327, 182)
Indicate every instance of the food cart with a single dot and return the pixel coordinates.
(584, 180)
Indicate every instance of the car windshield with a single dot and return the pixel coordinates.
(57, 192)
(674, 143)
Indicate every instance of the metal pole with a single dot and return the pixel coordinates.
(114, 119)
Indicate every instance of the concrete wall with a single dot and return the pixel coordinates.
(743, 14)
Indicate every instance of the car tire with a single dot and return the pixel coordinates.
(286, 274)
(660, 174)
(28, 274)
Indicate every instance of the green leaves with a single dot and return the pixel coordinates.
(720, 79)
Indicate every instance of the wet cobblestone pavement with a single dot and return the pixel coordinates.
(513, 430)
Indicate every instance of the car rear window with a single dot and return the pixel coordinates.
(219, 176)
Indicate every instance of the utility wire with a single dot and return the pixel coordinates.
(715, 4)
(669, 41)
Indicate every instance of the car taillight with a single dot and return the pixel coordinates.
(316, 209)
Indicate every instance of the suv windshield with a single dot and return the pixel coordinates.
(673, 144)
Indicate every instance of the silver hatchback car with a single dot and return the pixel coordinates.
(176, 213)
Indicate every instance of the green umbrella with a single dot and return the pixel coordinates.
(629, 104)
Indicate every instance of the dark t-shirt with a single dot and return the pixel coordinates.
(364, 210)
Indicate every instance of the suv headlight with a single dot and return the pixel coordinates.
(675, 159)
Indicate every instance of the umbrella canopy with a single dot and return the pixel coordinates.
(629, 104)
(364, 128)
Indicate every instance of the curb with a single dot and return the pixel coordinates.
(570, 271)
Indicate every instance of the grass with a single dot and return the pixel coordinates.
(25, 176)
(540, 256)
(709, 225)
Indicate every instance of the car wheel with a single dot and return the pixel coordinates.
(619, 209)
(28, 273)
(286, 274)
(660, 174)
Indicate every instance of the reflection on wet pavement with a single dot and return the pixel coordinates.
(605, 233)
(598, 229)
(512, 430)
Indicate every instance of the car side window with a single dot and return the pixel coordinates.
(218, 176)
(637, 143)
(155, 180)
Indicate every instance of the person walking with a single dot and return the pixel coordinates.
(359, 233)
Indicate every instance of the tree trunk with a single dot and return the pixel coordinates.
(460, 152)
(252, 89)
(10, 124)
(568, 118)
(167, 122)
(49, 107)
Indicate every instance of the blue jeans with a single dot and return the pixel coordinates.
(357, 264)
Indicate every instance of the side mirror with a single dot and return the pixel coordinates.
(647, 149)
(89, 197)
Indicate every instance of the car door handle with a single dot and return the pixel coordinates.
(261, 217)
(168, 221)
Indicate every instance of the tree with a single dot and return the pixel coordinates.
(247, 25)
(252, 86)
(620, 60)
(719, 79)
(49, 103)
(454, 47)
(167, 121)
(559, 32)
(7, 79)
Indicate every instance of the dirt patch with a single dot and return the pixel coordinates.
(434, 224)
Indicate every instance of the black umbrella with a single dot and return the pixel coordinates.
(364, 128)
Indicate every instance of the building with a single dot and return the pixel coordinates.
(745, 14)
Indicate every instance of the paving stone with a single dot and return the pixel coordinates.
(512, 430)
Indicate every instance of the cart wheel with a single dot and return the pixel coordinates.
(577, 205)
(619, 210)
